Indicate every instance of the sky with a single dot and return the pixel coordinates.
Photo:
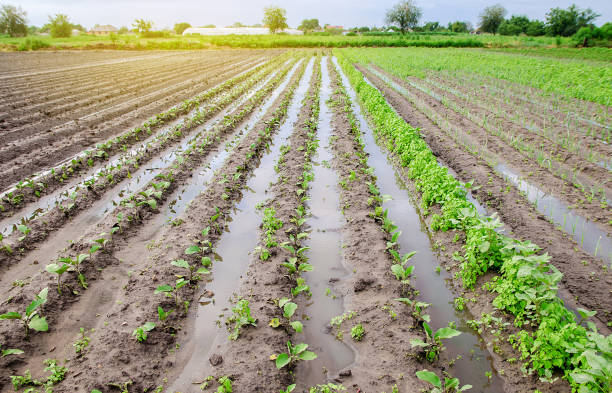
(347, 13)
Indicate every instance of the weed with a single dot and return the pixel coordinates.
(240, 318)
(357, 332)
(328, 388)
(81, 343)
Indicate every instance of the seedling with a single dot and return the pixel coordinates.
(240, 318)
(433, 341)
(172, 291)
(163, 315)
(58, 373)
(10, 351)
(417, 309)
(23, 229)
(399, 269)
(289, 389)
(81, 343)
(59, 270)
(76, 264)
(328, 388)
(357, 332)
(300, 287)
(293, 267)
(31, 318)
(451, 385)
(194, 275)
(294, 354)
(289, 309)
(141, 332)
(225, 385)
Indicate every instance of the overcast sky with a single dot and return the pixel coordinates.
(347, 13)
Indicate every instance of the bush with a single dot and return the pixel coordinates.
(155, 34)
(32, 44)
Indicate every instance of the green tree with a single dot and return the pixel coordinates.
(142, 26)
(460, 27)
(309, 25)
(567, 22)
(405, 14)
(432, 26)
(275, 18)
(517, 24)
(179, 28)
(491, 18)
(536, 28)
(13, 21)
(60, 26)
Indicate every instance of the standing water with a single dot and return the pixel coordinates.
(234, 249)
(325, 255)
(433, 288)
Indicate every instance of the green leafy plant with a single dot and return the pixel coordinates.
(357, 332)
(82, 343)
(327, 388)
(451, 385)
(433, 341)
(10, 351)
(289, 309)
(163, 315)
(416, 309)
(172, 291)
(76, 266)
(289, 389)
(58, 373)
(141, 332)
(194, 272)
(225, 385)
(240, 318)
(293, 267)
(300, 287)
(58, 269)
(31, 318)
(294, 354)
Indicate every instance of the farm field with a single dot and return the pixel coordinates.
(314, 220)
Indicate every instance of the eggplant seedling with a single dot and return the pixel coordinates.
(417, 309)
(433, 341)
(194, 272)
(289, 309)
(294, 354)
(300, 287)
(172, 291)
(163, 315)
(23, 229)
(451, 385)
(59, 270)
(10, 351)
(240, 318)
(141, 332)
(31, 318)
(76, 264)
(293, 267)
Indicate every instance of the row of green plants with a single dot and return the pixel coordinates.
(431, 345)
(200, 144)
(197, 260)
(575, 79)
(38, 185)
(551, 339)
(32, 320)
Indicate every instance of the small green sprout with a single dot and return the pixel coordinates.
(357, 332)
(141, 332)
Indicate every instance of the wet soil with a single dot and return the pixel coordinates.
(585, 282)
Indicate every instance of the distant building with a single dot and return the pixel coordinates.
(236, 31)
(103, 30)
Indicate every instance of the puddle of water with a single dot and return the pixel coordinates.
(234, 248)
(143, 175)
(433, 287)
(586, 233)
(325, 255)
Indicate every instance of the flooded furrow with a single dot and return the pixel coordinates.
(100, 208)
(325, 255)
(586, 233)
(475, 359)
(234, 253)
(144, 173)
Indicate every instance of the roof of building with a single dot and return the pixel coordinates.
(104, 28)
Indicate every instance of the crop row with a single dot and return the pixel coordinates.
(550, 338)
(211, 208)
(93, 188)
(38, 185)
